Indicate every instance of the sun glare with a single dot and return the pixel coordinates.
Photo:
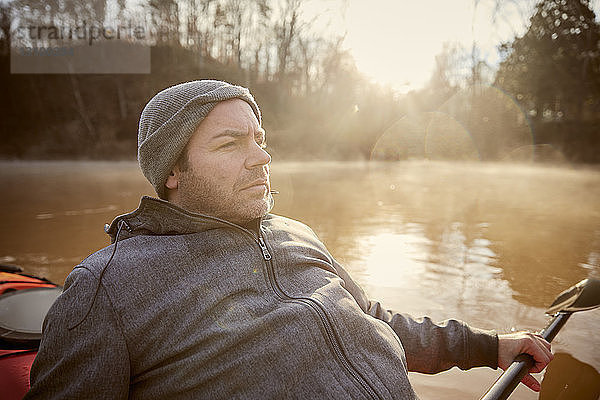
(395, 42)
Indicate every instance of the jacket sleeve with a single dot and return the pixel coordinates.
(431, 347)
(87, 361)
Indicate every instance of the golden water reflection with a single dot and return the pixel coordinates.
(491, 244)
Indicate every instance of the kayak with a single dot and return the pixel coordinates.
(12, 278)
(24, 303)
(14, 372)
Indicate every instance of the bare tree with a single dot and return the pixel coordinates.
(285, 31)
(5, 18)
(165, 19)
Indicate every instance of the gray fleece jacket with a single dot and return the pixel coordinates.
(191, 307)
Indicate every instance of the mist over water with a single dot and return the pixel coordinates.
(488, 243)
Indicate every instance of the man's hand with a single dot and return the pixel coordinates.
(512, 344)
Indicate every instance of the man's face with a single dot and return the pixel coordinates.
(227, 170)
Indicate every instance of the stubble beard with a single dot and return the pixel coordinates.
(201, 195)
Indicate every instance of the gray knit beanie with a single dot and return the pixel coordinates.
(169, 119)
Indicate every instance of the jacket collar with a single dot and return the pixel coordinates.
(159, 217)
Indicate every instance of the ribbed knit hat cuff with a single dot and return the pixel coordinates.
(160, 150)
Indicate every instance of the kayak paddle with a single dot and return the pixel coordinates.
(583, 296)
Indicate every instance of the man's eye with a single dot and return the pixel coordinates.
(227, 145)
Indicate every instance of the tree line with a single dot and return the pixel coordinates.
(316, 104)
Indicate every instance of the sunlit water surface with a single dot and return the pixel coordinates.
(491, 244)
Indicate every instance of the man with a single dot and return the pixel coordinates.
(204, 294)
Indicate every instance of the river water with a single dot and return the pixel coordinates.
(491, 244)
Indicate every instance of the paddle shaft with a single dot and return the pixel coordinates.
(508, 381)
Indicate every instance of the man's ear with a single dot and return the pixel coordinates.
(172, 182)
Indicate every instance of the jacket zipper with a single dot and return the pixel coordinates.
(333, 340)
(313, 304)
(263, 247)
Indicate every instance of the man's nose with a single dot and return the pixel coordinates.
(258, 157)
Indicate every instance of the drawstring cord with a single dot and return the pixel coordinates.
(121, 225)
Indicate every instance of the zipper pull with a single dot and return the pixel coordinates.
(263, 247)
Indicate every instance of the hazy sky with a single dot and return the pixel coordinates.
(395, 41)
